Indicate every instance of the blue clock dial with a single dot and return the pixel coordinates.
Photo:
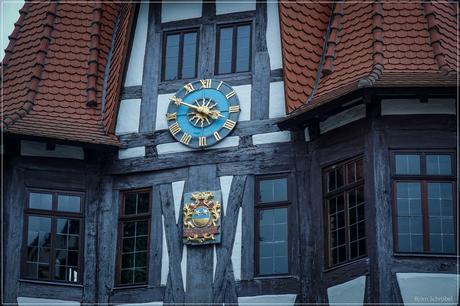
(202, 113)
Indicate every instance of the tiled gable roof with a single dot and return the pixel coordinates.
(54, 71)
(378, 44)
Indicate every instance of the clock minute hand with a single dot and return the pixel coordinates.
(189, 105)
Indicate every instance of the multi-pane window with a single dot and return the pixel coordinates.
(345, 211)
(180, 54)
(271, 213)
(233, 48)
(424, 184)
(134, 224)
(53, 229)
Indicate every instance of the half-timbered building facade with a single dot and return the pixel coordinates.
(218, 152)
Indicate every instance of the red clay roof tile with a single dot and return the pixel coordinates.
(54, 66)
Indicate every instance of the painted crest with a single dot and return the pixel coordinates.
(202, 218)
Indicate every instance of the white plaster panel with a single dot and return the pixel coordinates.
(164, 256)
(343, 118)
(28, 301)
(131, 152)
(227, 142)
(183, 267)
(162, 109)
(225, 184)
(236, 251)
(279, 299)
(307, 134)
(414, 106)
(136, 59)
(214, 261)
(128, 116)
(229, 6)
(273, 137)
(273, 35)
(160, 303)
(177, 147)
(277, 106)
(244, 95)
(177, 189)
(351, 292)
(429, 288)
(35, 148)
(180, 10)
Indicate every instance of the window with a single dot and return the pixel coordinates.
(424, 190)
(272, 213)
(52, 248)
(133, 238)
(345, 211)
(233, 48)
(180, 55)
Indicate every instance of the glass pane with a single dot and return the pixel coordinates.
(41, 227)
(171, 57)
(130, 203)
(189, 56)
(225, 50)
(273, 241)
(331, 180)
(274, 190)
(143, 203)
(40, 201)
(127, 276)
(438, 164)
(69, 203)
(408, 199)
(243, 48)
(407, 164)
(410, 226)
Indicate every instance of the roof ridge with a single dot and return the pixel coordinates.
(336, 26)
(435, 37)
(377, 47)
(38, 67)
(321, 62)
(94, 56)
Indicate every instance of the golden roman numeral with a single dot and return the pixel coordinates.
(189, 87)
(185, 139)
(230, 94)
(217, 136)
(234, 109)
(220, 84)
(202, 141)
(174, 128)
(229, 124)
(171, 116)
(176, 100)
(206, 83)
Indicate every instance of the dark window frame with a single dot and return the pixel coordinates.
(53, 214)
(235, 26)
(325, 206)
(258, 206)
(423, 178)
(122, 218)
(181, 33)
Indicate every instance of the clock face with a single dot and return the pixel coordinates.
(203, 113)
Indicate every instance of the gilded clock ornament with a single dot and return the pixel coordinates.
(201, 218)
(202, 113)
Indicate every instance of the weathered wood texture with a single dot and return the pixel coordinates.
(156, 239)
(247, 243)
(50, 291)
(13, 226)
(267, 286)
(261, 66)
(224, 282)
(151, 73)
(200, 258)
(92, 201)
(174, 287)
(137, 295)
(107, 240)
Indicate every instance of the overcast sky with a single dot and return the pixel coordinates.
(9, 14)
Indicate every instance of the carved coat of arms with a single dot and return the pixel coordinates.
(201, 218)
